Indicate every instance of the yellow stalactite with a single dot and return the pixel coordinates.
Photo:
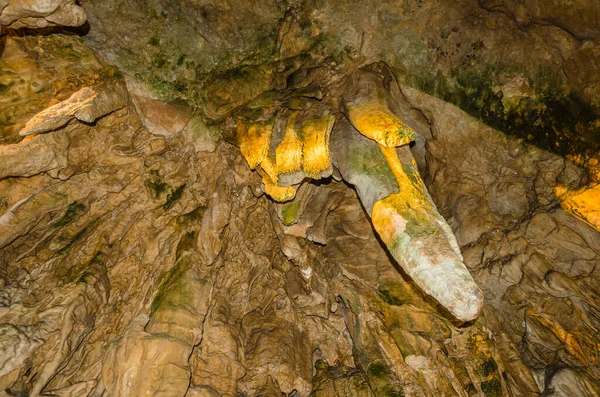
(254, 142)
(410, 196)
(583, 204)
(309, 151)
(270, 168)
(279, 193)
(288, 154)
(383, 220)
(276, 192)
(375, 121)
(315, 134)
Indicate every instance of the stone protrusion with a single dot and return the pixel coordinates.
(87, 105)
(407, 220)
(41, 13)
(368, 111)
(391, 190)
(303, 150)
(375, 121)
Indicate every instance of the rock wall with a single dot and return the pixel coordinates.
(526, 68)
(140, 256)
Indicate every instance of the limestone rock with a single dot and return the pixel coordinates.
(40, 14)
(38, 72)
(133, 262)
(85, 105)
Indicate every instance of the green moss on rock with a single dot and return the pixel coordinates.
(73, 211)
(389, 296)
(551, 116)
(289, 212)
(377, 369)
(173, 197)
(491, 388)
(173, 291)
(488, 368)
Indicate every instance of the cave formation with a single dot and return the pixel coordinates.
(299, 198)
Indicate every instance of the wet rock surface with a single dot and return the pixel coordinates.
(476, 55)
(150, 267)
(139, 254)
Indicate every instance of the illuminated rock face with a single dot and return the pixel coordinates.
(40, 14)
(143, 261)
(304, 151)
(389, 187)
(584, 204)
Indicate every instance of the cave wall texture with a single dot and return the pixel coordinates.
(164, 230)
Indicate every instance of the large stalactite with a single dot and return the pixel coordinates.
(298, 198)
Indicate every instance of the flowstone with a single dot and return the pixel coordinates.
(289, 147)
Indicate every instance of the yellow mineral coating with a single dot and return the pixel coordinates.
(411, 196)
(276, 192)
(309, 151)
(583, 204)
(375, 121)
(288, 155)
(568, 339)
(315, 134)
(279, 193)
(270, 169)
(254, 142)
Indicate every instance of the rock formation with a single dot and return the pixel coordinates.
(17, 14)
(391, 190)
(298, 198)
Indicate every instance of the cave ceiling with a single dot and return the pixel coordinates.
(299, 198)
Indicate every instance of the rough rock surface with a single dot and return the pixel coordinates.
(37, 72)
(528, 68)
(139, 265)
(139, 255)
(35, 14)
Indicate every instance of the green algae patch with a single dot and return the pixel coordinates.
(84, 277)
(491, 388)
(73, 212)
(173, 292)
(156, 185)
(161, 190)
(549, 115)
(175, 289)
(377, 369)
(391, 295)
(488, 368)
(289, 212)
(72, 240)
(379, 379)
(368, 161)
(173, 197)
(193, 216)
